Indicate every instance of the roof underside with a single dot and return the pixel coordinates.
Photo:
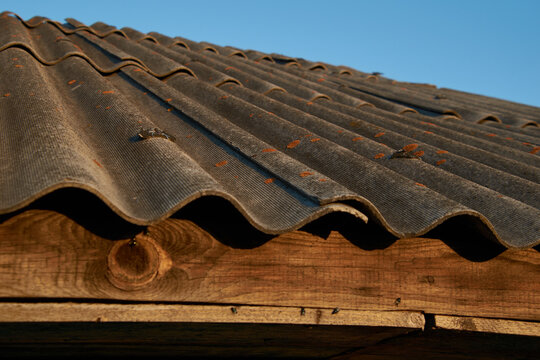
(149, 123)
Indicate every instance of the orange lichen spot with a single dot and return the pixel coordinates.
(323, 180)
(340, 131)
(31, 94)
(145, 93)
(97, 163)
(526, 143)
(268, 150)
(169, 109)
(98, 106)
(15, 59)
(108, 92)
(379, 134)
(410, 147)
(419, 184)
(320, 80)
(167, 100)
(71, 82)
(315, 139)
(509, 138)
(293, 144)
(491, 135)
(107, 108)
(306, 173)
(358, 138)
(229, 68)
(535, 150)
(137, 69)
(440, 162)
(271, 113)
(7, 94)
(310, 102)
(379, 155)
(419, 153)
(189, 136)
(251, 115)
(442, 152)
(308, 135)
(223, 97)
(18, 66)
(428, 132)
(221, 163)
(507, 126)
(269, 180)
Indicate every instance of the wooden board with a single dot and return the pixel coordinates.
(497, 326)
(185, 340)
(85, 312)
(446, 344)
(49, 254)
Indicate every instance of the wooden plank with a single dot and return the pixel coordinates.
(47, 254)
(84, 312)
(447, 344)
(498, 326)
(201, 340)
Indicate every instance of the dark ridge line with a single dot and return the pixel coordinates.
(103, 71)
(61, 27)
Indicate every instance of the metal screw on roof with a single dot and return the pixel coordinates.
(155, 132)
(397, 302)
(335, 311)
(234, 310)
(302, 311)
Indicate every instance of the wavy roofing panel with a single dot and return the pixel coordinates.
(149, 123)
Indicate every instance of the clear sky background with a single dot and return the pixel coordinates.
(480, 46)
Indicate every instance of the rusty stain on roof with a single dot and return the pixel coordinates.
(490, 146)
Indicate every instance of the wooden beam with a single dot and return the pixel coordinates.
(85, 312)
(497, 326)
(448, 344)
(48, 254)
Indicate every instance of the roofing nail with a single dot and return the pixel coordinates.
(302, 312)
(336, 310)
(155, 132)
(234, 310)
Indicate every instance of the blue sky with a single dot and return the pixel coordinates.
(485, 47)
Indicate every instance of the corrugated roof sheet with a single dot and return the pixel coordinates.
(149, 123)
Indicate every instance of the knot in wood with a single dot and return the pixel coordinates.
(133, 264)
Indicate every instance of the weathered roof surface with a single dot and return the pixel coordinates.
(285, 140)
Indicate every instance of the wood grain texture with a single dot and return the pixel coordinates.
(497, 326)
(46, 254)
(84, 312)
